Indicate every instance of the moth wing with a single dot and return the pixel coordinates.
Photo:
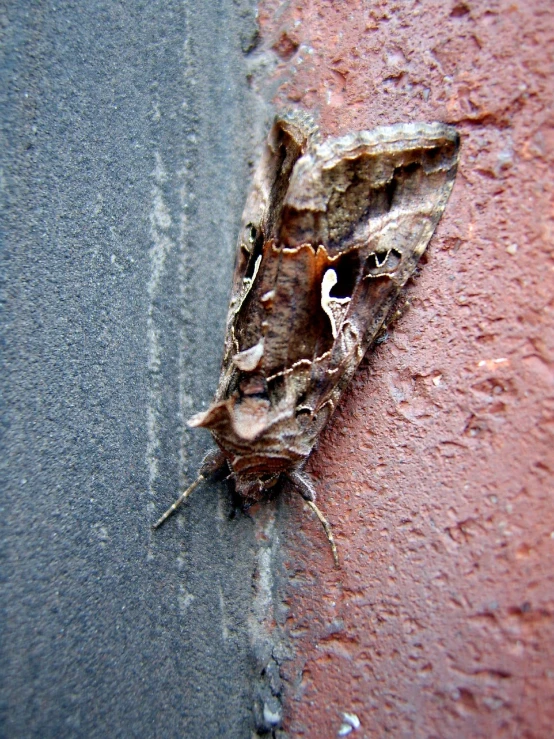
(331, 233)
(287, 141)
(371, 202)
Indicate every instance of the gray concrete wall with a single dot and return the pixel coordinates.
(127, 132)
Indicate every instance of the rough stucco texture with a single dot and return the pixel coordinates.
(436, 472)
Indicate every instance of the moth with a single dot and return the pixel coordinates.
(331, 232)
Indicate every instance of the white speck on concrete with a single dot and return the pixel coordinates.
(184, 599)
(273, 718)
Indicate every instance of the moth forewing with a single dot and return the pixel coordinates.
(331, 232)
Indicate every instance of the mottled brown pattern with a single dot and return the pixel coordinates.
(331, 232)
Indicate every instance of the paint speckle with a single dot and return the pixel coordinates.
(351, 723)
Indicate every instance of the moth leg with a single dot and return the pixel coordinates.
(212, 462)
(306, 489)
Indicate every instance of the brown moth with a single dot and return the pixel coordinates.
(330, 234)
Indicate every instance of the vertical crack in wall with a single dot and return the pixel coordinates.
(269, 644)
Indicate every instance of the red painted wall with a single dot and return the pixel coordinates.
(436, 472)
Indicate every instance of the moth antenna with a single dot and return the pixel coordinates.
(327, 528)
(180, 499)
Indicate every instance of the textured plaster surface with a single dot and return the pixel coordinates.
(436, 471)
(125, 139)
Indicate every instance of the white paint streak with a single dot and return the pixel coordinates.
(160, 246)
(261, 618)
(224, 627)
(185, 401)
(263, 596)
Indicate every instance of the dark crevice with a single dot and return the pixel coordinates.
(254, 237)
(347, 269)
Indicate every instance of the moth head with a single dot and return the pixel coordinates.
(252, 489)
